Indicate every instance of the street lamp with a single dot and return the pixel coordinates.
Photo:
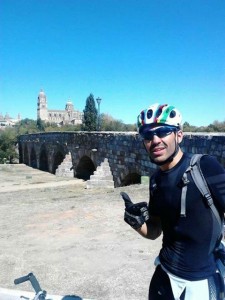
(99, 102)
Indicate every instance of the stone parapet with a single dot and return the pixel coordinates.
(124, 151)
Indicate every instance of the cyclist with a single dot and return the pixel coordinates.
(185, 267)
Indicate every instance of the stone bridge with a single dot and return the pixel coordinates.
(124, 152)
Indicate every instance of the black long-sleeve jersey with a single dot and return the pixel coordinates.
(186, 244)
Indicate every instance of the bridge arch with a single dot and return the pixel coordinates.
(20, 153)
(131, 175)
(58, 156)
(33, 158)
(43, 159)
(58, 159)
(85, 168)
(26, 155)
(131, 178)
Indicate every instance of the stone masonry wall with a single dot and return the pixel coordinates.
(124, 151)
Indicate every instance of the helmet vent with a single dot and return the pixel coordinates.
(172, 114)
(149, 113)
(158, 113)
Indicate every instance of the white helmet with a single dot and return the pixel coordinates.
(159, 114)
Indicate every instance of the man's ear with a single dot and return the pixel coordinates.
(179, 136)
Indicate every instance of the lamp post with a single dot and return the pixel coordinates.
(99, 102)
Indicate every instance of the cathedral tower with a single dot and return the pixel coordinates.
(42, 110)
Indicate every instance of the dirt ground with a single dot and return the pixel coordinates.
(72, 238)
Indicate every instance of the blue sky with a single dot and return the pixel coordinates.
(130, 53)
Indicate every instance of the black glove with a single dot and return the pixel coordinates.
(135, 214)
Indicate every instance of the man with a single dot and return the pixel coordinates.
(185, 267)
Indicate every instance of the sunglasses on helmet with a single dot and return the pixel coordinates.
(160, 132)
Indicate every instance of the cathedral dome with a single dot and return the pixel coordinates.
(69, 105)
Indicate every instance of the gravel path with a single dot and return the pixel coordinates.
(72, 238)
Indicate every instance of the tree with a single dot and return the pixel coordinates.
(108, 123)
(8, 141)
(40, 124)
(26, 126)
(189, 128)
(90, 116)
(219, 126)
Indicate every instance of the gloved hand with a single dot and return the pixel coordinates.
(136, 214)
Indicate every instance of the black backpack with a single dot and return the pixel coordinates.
(199, 179)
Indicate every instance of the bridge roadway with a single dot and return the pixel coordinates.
(126, 155)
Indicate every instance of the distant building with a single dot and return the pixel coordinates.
(7, 121)
(60, 117)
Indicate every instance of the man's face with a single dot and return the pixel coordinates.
(162, 142)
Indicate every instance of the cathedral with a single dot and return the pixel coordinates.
(60, 117)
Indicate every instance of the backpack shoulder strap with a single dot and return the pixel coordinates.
(185, 182)
(202, 185)
(196, 173)
(192, 166)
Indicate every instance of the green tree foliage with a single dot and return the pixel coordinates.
(188, 128)
(90, 117)
(26, 126)
(216, 126)
(8, 142)
(9, 138)
(108, 123)
(40, 125)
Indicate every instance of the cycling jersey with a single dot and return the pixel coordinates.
(186, 244)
